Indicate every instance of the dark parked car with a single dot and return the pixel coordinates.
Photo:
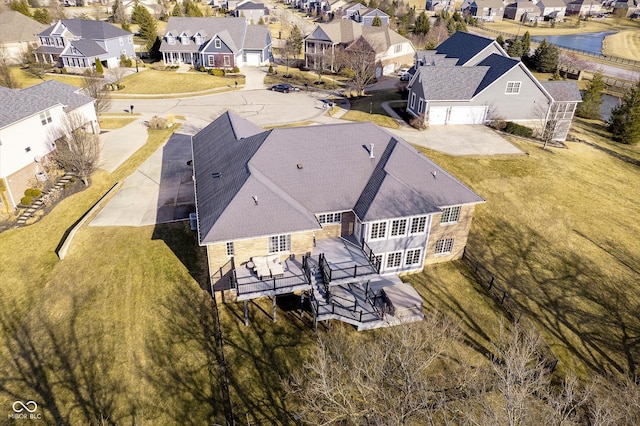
(284, 88)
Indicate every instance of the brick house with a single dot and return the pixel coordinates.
(313, 210)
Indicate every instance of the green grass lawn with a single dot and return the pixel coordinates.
(114, 122)
(152, 82)
(26, 79)
(123, 328)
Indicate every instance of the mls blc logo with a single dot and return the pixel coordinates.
(25, 410)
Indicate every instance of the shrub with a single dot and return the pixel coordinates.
(158, 123)
(218, 72)
(518, 130)
(498, 124)
(270, 71)
(72, 180)
(120, 86)
(25, 201)
(28, 192)
(202, 68)
(235, 70)
(418, 122)
(36, 192)
(64, 71)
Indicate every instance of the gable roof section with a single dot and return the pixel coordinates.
(553, 3)
(257, 37)
(15, 27)
(93, 30)
(463, 46)
(494, 4)
(68, 95)
(250, 6)
(498, 66)
(563, 91)
(297, 172)
(448, 83)
(20, 104)
(87, 48)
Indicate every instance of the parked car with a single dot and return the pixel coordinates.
(284, 88)
(404, 74)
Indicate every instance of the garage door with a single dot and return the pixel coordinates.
(253, 59)
(388, 69)
(467, 115)
(438, 115)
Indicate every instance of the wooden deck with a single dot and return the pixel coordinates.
(250, 286)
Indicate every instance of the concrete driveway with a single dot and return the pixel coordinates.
(462, 140)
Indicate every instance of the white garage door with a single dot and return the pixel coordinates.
(388, 69)
(253, 59)
(438, 115)
(467, 115)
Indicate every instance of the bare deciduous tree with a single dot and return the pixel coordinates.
(385, 379)
(360, 58)
(94, 86)
(77, 150)
(117, 74)
(7, 78)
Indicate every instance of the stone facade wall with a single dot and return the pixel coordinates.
(459, 231)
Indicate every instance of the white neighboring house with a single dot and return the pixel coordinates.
(17, 32)
(30, 123)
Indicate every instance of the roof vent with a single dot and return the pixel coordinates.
(299, 166)
(371, 151)
(216, 175)
(434, 174)
(255, 199)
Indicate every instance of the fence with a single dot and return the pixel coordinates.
(498, 291)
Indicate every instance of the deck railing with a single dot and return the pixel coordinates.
(329, 273)
(246, 285)
(371, 256)
(341, 311)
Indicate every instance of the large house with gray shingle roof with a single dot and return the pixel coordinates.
(485, 85)
(17, 34)
(326, 209)
(79, 43)
(215, 43)
(392, 50)
(30, 122)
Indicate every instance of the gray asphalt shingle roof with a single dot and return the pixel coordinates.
(89, 29)
(86, 48)
(294, 173)
(563, 91)
(15, 27)
(463, 46)
(20, 104)
(498, 66)
(451, 83)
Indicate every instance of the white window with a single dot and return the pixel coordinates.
(413, 100)
(227, 61)
(378, 230)
(199, 39)
(394, 259)
(377, 260)
(171, 39)
(211, 61)
(217, 44)
(185, 40)
(45, 118)
(450, 215)
(397, 48)
(444, 246)
(513, 87)
(121, 40)
(280, 243)
(420, 105)
(398, 227)
(413, 257)
(418, 225)
(230, 249)
(330, 218)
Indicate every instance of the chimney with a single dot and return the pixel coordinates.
(371, 151)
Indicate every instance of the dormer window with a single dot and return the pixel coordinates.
(217, 44)
(184, 39)
(171, 39)
(199, 39)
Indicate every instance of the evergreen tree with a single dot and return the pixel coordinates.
(42, 15)
(177, 10)
(515, 49)
(117, 11)
(377, 22)
(191, 9)
(21, 6)
(545, 58)
(422, 24)
(125, 26)
(146, 25)
(99, 67)
(592, 98)
(526, 44)
(296, 39)
(451, 26)
(624, 123)
(500, 40)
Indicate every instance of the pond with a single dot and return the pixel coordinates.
(586, 42)
(608, 103)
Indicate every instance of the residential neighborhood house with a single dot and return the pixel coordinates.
(153, 7)
(251, 11)
(31, 120)
(215, 43)
(584, 7)
(79, 43)
(367, 15)
(313, 209)
(392, 50)
(553, 9)
(484, 10)
(523, 10)
(484, 85)
(17, 34)
(440, 5)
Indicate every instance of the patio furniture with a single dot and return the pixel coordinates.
(275, 266)
(267, 266)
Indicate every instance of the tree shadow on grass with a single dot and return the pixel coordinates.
(592, 316)
(61, 364)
